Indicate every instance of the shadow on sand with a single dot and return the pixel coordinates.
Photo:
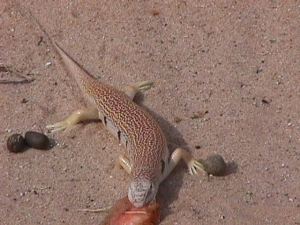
(169, 189)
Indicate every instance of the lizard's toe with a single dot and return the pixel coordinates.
(145, 85)
(57, 126)
(195, 166)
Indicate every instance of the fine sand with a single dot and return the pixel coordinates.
(226, 75)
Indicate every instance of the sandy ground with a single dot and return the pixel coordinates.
(238, 61)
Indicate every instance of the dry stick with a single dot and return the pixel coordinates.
(25, 81)
(104, 209)
(17, 73)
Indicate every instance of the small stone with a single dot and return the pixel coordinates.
(214, 164)
(40, 40)
(37, 140)
(24, 100)
(258, 70)
(265, 101)
(16, 143)
(4, 69)
(62, 145)
(48, 64)
(177, 119)
(199, 114)
(155, 12)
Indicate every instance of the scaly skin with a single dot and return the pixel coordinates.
(147, 156)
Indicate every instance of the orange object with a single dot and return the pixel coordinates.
(124, 213)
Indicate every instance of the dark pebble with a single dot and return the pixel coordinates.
(258, 70)
(265, 101)
(16, 143)
(24, 101)
(37, 140)
(155, 12)
(214, 165)
(177, 119)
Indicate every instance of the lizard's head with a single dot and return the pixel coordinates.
(141, 192)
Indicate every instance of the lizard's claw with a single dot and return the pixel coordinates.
(194, 166)
(144, 85)
(60, 126)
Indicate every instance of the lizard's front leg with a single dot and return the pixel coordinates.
(124, 162)
(193, 165)
(76, 117)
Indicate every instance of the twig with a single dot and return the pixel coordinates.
(24, 81)
(104, 209)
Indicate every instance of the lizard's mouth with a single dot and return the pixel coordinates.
(141, 192)
(138, 198)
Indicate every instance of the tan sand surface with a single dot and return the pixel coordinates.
(226, 75)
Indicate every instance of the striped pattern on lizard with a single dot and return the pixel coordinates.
(147, 158)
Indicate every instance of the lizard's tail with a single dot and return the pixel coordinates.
(81, 76)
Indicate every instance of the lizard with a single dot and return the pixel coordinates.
(147, 158)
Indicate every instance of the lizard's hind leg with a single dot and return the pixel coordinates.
(132, 90)
(76, 117)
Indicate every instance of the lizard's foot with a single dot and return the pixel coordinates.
(74, 118)
(131, 90)
(144, 85)
(194, 166)
(60, 126)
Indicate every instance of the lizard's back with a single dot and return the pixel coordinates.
(130, 123)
